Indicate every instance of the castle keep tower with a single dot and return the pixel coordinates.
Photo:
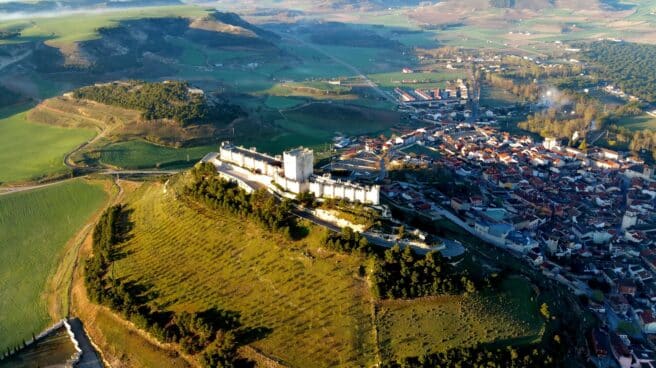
(298, 164)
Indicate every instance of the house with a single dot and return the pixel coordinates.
(599, 342)
(459, 204)
(620, 351)
(626, 287)
(647, 321)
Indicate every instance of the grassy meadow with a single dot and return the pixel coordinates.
(417, 80)
(322, 121)
(638, 122)
(34, 227)
(31, 150)
(316, 306)
(59, 33)
(417, 327)
(140, 154)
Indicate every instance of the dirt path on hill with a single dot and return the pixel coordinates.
(15, 59)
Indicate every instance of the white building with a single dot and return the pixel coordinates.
(250, 159)
(325, 187)
(298, 164)
(295, 173)
(550, 143)
(629, 219)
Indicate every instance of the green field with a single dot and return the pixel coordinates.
(320, 122)
(139, 154)
(316, 306)
(414, 328)
(420, 79)
(638, 122)
(282, 102)
(31, 150)
(495, 97)
(59, 33)
(34, 227)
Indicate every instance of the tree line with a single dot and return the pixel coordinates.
(482, 357)
(208, 188)
(215, 333)
(569, 113)
(404, 274)
(170, 100)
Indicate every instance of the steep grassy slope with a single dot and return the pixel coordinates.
(317, 309)
(34, 227)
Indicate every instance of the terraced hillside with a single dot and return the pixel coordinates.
(314, 305)
(314, 302)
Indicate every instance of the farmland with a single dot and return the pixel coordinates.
(317, 123)
(34, 227)
(417, 80)
(31, 150)
(639, 122)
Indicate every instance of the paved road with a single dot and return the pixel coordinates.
(89, 358)
(112, 172)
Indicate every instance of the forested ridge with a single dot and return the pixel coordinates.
(631, 66)
(169, 100)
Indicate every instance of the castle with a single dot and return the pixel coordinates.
(294, 173)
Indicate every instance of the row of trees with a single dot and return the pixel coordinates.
(482, 357)
(171, 100)
(528, 71)
(563, 119)
(405, 274)
(212, 332)
(206, 187)
(634, 140)
(348, 241)
(526, 91)
(105, 237)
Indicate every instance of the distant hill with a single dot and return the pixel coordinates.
(171, 100)
(64, 5)
(523, 4)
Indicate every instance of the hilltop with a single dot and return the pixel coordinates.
(169, 101)
(196, 245)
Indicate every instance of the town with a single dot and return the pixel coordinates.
(584, 218)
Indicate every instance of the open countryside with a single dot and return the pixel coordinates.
(376, 183)
(36, 227)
